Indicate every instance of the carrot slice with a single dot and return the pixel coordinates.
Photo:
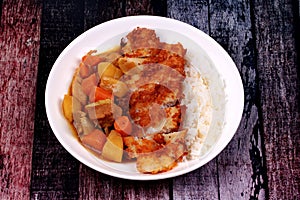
(95, 140)
(98, 93)
(123, 126)
(88, 83)
(84, 70)
(84, 57)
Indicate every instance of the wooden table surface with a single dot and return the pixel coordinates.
(261, 162)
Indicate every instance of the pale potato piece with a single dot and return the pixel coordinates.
(107, 69)
(113, 148)
(67, 107)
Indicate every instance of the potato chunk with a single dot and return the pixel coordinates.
(67, 107)
(107, 69)
(113, 148)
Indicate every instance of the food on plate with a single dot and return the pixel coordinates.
(141, 101)
(113, 148)
(165, 158)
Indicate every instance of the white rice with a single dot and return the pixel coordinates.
(199, 111)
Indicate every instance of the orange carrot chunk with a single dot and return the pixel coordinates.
(88, 83)
(84, 57)
(123, 125)
(98, 93)
(95, 140)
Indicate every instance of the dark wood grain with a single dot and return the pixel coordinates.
(195, 13)
(147, 189)
(240, 165)
(95, 185)
(278, 78)
(1, 4)
(19, 44)
(97, 12)
(54, 170)
(201, 183)
(145, 7)
(297, 3)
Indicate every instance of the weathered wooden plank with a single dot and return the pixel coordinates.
(240, 166)
(278, 78)
(97, 12)
(95, 185)
(145, 7)
(201, 183)
(54, 170)
(1, 3)
(146, 189)
(193, 12)
(19, 44)
(298, 8)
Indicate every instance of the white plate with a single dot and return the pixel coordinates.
(203, 52)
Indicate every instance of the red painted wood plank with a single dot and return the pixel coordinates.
(54, 170)
(19, 44)
(278, 79)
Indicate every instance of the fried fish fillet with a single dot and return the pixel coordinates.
(155, 98)
(154, 73)
(165, 158)
(157, 79)
(143, 44)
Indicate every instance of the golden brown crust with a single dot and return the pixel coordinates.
(135, 146)
(143, 43)
(165, 158)
(141, 38)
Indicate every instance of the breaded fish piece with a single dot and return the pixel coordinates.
(164, 159)
(143, 44)
(136, 146)
(154, 73)
(153, 103)
(139, 39)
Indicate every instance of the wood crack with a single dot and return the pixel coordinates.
(259, 169)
